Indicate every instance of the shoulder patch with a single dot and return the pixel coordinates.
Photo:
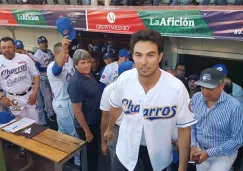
(190, 106)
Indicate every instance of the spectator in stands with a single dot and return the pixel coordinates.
(218, 134)
(180, 69)
(192, 87)
(84, 93)
(236, 89)
(216, 2)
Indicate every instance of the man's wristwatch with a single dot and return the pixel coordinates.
(1, 97)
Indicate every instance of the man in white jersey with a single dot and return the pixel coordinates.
(18, 72)
(43, 57)
(110, 74)
(105, 106)
(59, 73)
(154, 103)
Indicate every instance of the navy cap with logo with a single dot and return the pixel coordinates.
(41, 39)
(18, 44)
(210, 78)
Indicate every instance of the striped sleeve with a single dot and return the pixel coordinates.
(236, 140)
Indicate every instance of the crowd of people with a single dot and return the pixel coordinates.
(134, 108)
(132, 2)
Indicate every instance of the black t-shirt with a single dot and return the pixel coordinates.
(74, 45)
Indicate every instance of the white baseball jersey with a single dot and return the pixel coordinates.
(16, 77)
(157, 113)
(16, 74)
(43, 58)
(60, 83)
(105, 104)
(110, 73)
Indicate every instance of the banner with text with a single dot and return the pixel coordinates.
(175, 23)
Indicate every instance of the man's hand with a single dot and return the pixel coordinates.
(109, 135)
(32, 99)
(194, 150)
(24, 52)
(89, 136)
(202, 155)
(104, 148)
(65, 48)
(6, 101)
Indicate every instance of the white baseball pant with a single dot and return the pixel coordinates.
(65, 120)
(219, 163)
(23, 108)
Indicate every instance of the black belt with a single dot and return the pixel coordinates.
(21, 94)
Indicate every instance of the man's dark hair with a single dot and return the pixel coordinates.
(181, 65)
(5, 39)
(147, 35)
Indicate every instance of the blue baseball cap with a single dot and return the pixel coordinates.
(42, 39)
(107, 55)
(125, 66)
(18, 44)
(222, 68)
(5, 117)
(65, 27)
(125, 53)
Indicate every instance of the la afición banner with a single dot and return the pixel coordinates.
(174, 23)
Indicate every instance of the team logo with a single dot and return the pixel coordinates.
(152, 113)
(65, 32)
(18, 43)
(22, 62)
(206, 77)
(190, 107)
(43, 38)
(46, 61)
(111, 17)
(15, 106)
(6, 73)
(72, 71)
(75, 47)
(59, 107)
(220, 69)
(68, 77)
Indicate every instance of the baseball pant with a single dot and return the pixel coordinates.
(30, 112)
(22, 109)
(219, 163)
(112, 144)
(92, 147)
(65, 121)
(45, 100)
(143, 155)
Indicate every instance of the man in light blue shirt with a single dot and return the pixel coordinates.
(218, 134)
(236, 89)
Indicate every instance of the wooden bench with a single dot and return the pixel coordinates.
(49, 144)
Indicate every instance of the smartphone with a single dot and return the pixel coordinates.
(192, 162)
